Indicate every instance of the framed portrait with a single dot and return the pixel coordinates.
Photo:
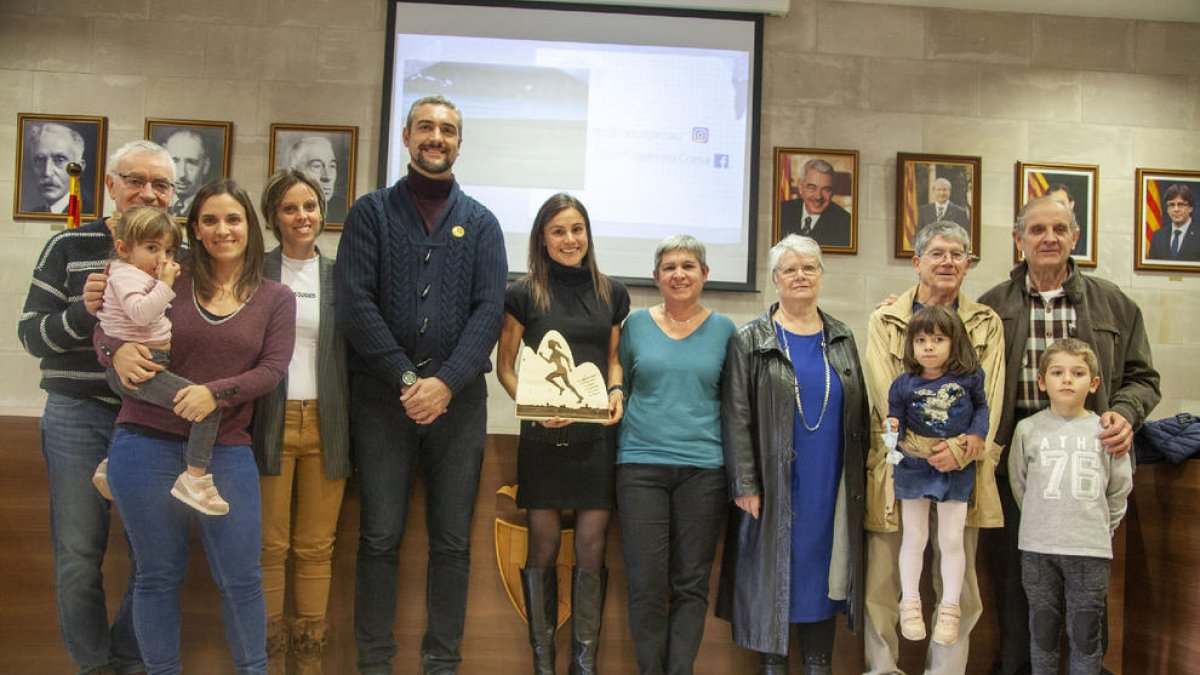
(1077, 186)
(328, 154)
(930, 188)
(816, 195)
(46, 146)
(200, 150)
(1166, 236)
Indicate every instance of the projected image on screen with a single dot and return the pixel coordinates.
(508, 102)
(653, 136)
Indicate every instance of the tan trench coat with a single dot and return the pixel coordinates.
(885, 360)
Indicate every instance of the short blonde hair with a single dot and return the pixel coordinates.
(1074, 347)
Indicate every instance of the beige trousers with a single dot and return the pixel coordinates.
(308, 530)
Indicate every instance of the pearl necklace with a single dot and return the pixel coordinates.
(796, 382)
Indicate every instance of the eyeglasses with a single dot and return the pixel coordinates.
(809, 270)
(161, 187)
(937, 255)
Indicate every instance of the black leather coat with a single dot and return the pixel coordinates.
(756, 422)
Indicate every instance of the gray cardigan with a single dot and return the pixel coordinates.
(332, 389)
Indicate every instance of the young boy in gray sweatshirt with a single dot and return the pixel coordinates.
(1072, 496)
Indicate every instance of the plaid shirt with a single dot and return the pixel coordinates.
(1048, 321)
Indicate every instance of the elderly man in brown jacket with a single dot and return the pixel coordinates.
(1047, 298)
(941, 261)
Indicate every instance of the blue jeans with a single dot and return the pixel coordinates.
(75, 437)
(388, 445)
(671, 517)
(141, 471)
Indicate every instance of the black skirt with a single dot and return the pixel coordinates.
(566, 473)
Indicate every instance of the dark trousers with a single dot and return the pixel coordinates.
(1081, 584)
(388, 445)
(671, 518)
(1012, 607)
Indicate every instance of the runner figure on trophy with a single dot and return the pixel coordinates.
(562, 368)
(545, 375)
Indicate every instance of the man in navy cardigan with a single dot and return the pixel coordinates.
(421, 275)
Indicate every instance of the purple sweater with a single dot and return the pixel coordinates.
(238, 359)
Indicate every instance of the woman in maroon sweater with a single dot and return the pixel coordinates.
(233, 333)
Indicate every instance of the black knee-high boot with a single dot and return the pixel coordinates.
(541, 606)
(587, 607)
(773, 664)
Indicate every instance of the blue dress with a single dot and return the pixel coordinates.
(816, 471)
(943, 407)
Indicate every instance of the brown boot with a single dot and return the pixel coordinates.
(277, 644)
(308, 643)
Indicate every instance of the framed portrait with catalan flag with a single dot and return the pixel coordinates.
(1076, 186)
(1167, 238)
(936, 188)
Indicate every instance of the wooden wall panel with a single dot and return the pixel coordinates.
(1164, 547)
(1162, 571)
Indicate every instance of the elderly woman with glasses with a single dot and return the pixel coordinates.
(941, 259)
(794, 423)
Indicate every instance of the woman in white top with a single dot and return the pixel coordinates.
(301, 431)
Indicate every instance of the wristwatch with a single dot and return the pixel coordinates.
(408, 378)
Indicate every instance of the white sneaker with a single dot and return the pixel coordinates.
(100, 480)
(945, 631)
(199, 493)
(912, 623)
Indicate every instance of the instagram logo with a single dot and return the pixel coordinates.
(699, 134)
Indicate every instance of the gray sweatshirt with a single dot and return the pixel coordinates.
(1070, 490)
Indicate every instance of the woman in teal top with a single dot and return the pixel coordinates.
(670, 467)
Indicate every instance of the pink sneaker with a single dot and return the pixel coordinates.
(100, 480)
(199, 493)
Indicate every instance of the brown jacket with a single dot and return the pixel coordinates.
(885, 361)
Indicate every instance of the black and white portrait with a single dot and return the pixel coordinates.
(326, 153)
(47, 144)
(200, 151)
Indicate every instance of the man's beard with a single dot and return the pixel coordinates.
(430, 166)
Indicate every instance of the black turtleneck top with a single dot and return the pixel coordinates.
(429, 195)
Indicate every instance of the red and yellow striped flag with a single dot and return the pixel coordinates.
(74, 201)
(1037, 185)
(909, 226)
(1153, 209)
